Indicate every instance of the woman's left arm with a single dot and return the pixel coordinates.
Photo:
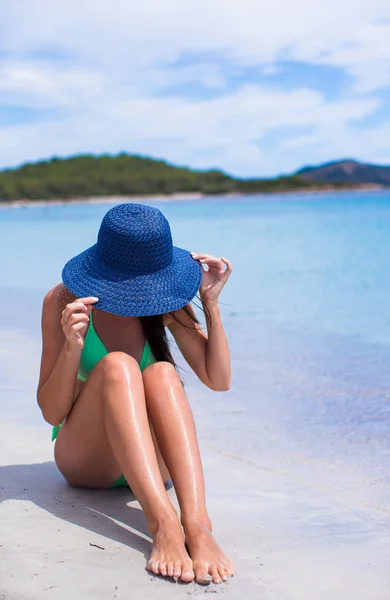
(207, 355)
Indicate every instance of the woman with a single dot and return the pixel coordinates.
(109, 386)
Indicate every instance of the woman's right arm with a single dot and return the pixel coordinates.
(63, 331)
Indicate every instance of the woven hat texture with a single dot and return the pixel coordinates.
(134, 268)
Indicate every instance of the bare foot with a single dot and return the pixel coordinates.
(208, 560)
(169, 556)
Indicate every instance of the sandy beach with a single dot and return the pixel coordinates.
(293, 534)
(106, 200)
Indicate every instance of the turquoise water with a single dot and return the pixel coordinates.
(306, 310)
(318, 261)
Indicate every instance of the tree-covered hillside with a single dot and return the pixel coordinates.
(84, 176)
(348, 171)
(127, 175)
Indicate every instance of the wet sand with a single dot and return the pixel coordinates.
(293, 531)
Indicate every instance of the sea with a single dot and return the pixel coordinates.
(306, 311)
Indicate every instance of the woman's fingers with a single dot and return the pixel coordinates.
(202, 257)
(71, 309)
(228, 264)
(78, 305)
(74, 318)
(88, 300)
(77, 318)
(213, 263)
(209, 259)
(76, 329)
(78, 326)
(73, 322)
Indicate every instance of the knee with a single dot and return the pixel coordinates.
(161, 371)
(117, 367)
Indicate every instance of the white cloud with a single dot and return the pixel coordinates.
(222, 131)
(107, 69)
(119, 33)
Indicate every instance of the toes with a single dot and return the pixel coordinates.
(170, 569)
(231, 569)
(228, 568)
(187, 573)
(152, 565)
(176, 569)
(204, 579)
(222, 572)
(163, 568)
(202, 575)
(215, 575)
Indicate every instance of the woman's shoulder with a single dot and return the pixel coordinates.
(57, 298)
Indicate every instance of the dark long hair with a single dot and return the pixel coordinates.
(156, 334)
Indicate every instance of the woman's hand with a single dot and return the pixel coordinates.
(215, 278)
(75, 319)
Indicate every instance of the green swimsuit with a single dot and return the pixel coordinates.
(93, 351)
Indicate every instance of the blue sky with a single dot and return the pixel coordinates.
(253, 88)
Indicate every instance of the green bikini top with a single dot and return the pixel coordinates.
(94, 350)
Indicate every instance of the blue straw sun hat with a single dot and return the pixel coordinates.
(134, 269)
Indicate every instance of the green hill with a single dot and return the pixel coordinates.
(347, 171)
(87, 175)
(129, 175)
(82, 176)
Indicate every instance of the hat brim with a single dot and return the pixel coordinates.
(144, 295)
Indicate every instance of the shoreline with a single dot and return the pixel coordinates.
(185, 196)
(103, 200)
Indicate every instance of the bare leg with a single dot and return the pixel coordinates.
(108, 433)
(174, 426)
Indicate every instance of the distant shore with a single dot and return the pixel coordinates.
(106, 199)
(185, 196)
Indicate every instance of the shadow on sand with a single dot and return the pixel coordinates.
(105, 512)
